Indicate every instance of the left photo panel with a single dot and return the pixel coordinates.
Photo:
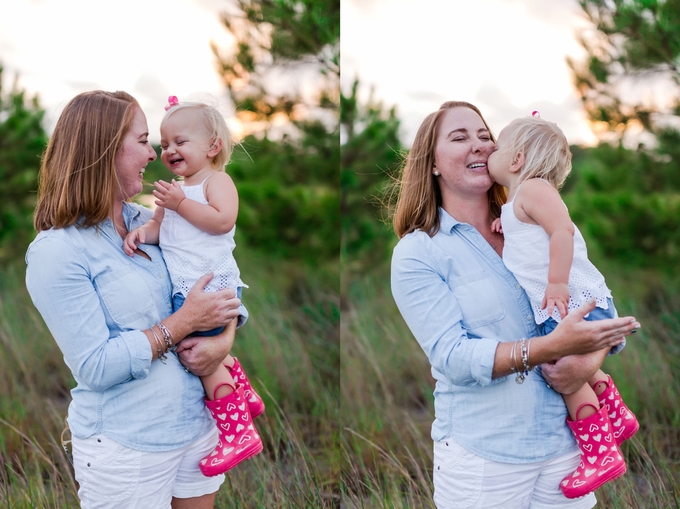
(170, 255)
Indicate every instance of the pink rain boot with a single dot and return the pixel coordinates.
(601, 460)
(623, 420)
(253, 398)
(239, 439)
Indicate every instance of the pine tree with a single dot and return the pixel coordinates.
(286, 71)
(636, 46)
(22, 140)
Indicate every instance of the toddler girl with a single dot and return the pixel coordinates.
(194, 226)
(547, 254)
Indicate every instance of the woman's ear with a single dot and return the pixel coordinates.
(215, 147)
(517, 162)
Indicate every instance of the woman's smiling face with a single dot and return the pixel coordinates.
(132, 157)
(463, 146)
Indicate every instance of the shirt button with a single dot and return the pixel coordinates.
(517, 286)
(528, 317)
(160, 276)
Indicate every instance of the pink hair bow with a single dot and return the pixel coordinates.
(172, 101)
(535, 114)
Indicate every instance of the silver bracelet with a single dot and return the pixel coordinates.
(528, 364)
(513, 359)
(167, 336)
(159, 345)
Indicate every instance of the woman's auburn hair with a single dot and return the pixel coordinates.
(419, 195)
(77, 175)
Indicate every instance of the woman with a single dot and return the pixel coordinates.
(137, 417)
(498, 444)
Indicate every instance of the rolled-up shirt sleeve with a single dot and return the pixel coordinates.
(434, 315)
(61, 287)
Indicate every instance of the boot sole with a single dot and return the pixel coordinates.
(256, 450)
(618, 473)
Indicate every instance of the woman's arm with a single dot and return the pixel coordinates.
(574, 336)
(217, 217)
(59, 282)
(434, 314)
(570, 373)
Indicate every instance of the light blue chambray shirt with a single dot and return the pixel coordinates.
(96, 301)
(460, 301)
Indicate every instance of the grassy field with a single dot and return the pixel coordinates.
(388, 407)
(290, 347)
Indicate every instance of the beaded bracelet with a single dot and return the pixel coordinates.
(159, 345)
(167, 336)
(524, 352)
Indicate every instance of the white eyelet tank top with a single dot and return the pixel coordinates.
(527, 255)
(191, 253)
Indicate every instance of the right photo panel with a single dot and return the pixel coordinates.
(510, 232)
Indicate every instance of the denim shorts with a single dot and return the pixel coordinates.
(177, 302)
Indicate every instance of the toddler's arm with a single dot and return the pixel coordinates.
(543, 204)
(217, 217)
(145, 234)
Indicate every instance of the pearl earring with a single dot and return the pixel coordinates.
(436, 173)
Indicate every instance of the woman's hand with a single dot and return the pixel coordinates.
(559, 352)
(584, 345)
(202, 310)
(576, 336)
(570, 373)
(208, 310)
(202, 355)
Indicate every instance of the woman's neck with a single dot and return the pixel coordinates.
(471, 210)
(118, 219)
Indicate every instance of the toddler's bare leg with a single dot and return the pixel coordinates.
(584, 395)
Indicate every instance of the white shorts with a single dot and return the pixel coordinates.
(463, 480)
(112, 476)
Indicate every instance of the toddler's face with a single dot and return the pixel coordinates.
(185, 143)
(501, 159)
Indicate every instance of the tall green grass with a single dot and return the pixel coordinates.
(388, 406)
(290, 349)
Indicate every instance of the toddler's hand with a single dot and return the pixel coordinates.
(132, 240)
(496, 226)
(168, 195)
(556, 296)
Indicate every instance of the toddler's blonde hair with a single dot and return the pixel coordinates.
(545, 148)
(214, 124)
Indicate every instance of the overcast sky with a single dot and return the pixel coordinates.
(505, 56)
(149, 48)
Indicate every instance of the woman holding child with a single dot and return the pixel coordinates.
(497, 443)
(137, 418)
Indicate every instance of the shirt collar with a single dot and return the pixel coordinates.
(130, 211)
(447, 222)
